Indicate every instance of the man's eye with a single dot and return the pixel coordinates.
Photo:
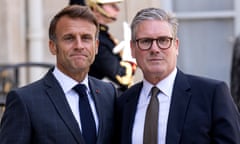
(163, 40)
(86, 39)
(145, 41)
(68, 38)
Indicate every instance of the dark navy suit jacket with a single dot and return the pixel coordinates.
(201, 112)
(39, 114)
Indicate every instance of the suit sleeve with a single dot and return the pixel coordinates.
(226, 127)
(15, 124)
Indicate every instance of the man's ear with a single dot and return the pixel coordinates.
(133, 47)
(52, 47)
(96, 46)
(176, 43)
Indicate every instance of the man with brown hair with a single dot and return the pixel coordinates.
(66, 106)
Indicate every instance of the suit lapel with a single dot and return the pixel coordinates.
(178, 108)
(129, 111)
(58, 99)
(96, 93)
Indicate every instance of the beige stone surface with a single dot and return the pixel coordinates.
(14, 27)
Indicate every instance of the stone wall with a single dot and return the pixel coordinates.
(14, 36)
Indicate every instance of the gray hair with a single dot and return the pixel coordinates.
(153, 14)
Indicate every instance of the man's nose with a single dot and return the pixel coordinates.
(155, 45)
(78, 43)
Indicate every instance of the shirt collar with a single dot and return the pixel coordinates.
(66, 82)
(165, 85)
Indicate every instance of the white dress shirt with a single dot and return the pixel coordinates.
(72, 97)
(164, 97)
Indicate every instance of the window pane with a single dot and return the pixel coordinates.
(206, 47)
(202, 5)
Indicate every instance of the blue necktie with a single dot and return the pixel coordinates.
(87, 121)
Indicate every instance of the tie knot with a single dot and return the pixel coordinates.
(80, 89)
(154, 91)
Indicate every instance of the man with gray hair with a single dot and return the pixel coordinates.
(169, 106)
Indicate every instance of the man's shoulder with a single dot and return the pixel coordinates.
(198, 84)
(33, 86)
(98, 82)
(197, 79)
(131, 92)
(203, 79)
(201, 83)
(37, 85)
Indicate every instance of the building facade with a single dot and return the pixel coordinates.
(207, 31)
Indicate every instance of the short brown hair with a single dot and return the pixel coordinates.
(72, 11)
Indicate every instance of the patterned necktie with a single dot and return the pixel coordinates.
(151, 119)
(87, 121)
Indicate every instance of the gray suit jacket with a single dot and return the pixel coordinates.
(39, 114)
